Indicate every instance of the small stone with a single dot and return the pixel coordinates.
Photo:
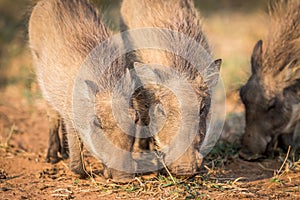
(3, 174)
(4, 189)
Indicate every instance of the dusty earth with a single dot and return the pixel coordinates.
(24, 174)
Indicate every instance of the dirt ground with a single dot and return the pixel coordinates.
(24, 174)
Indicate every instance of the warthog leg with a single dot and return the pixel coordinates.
(75, 151)
(56, 146)
(54, 142)
(64, 143)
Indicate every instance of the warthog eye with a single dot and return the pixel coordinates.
(271, 104)
(96, 122)
(136, 117)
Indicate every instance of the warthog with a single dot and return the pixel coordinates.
(271, 95)
(61, 36)
(178, 21)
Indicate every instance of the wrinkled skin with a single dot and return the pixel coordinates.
(268, 111)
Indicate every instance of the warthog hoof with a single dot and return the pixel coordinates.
(79, 169)
(65, 153)
(52, 159)
(52, 155)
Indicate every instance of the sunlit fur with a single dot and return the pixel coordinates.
(61, 35)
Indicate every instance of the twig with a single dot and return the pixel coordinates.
(60, 195)
(62, 190)
(266, 169)
(65, 165)
(140, 182)
(169, 173)
(286, 157)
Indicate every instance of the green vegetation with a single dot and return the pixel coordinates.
(222, 153)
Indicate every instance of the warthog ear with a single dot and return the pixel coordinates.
(291, 73)
(127, 76)
(218, 64)
(137, 64)
(213, 73)
(93, 88)
(256, 58)
(129, 79)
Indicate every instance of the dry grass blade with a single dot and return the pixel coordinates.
(238, 179)
(9, 135)
(62, 193)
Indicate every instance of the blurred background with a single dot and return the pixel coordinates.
(232, 26)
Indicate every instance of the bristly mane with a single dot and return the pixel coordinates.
(81, 37)
(283, 42)
(185, 19)
(179, 16)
